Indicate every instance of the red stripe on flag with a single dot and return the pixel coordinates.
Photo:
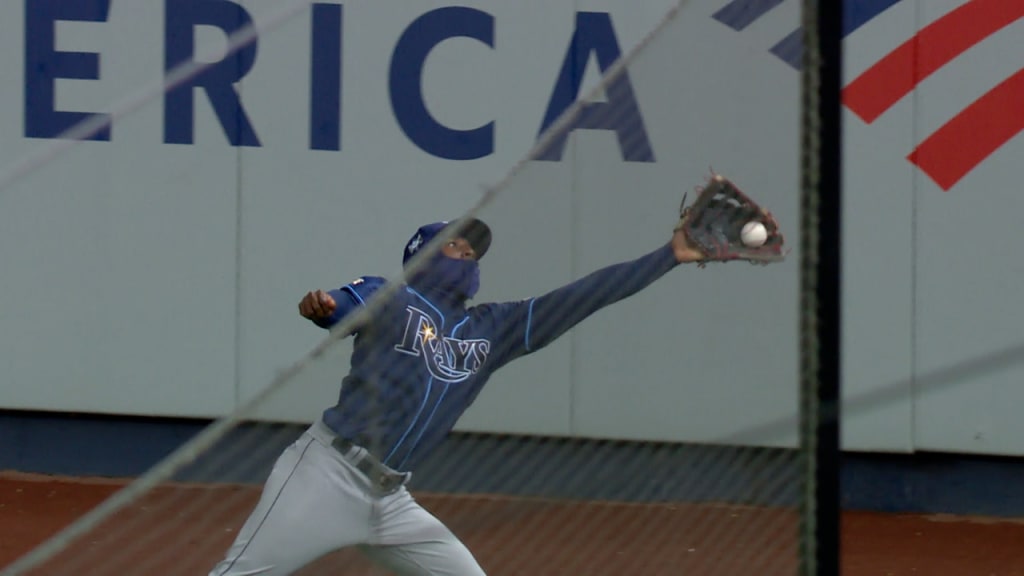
(961, 144)
(896, 75)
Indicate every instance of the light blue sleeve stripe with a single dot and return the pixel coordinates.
(459, 325)
(529, 324)
(352, 291)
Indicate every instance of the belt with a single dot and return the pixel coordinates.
(382, 477)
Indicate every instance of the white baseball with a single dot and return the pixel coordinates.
(753, 234)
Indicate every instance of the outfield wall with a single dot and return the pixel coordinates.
(154, 270)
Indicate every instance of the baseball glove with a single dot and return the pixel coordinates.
(714, 224)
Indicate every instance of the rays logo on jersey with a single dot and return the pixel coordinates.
(971, 131)
(447, 358)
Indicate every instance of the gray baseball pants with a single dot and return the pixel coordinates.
(316, 501)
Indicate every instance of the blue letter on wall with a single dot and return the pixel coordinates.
(325, 78)
(44, 65)
(620, 113)
(180, 19)
(406, 85)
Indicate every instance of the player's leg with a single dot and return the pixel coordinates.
(311, 504)
(410, 541)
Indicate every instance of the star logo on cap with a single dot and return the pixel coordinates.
(415, 244)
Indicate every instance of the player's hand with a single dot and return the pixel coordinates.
(683, 250)
(316, 304)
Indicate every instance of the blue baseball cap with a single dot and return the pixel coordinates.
(475, 231)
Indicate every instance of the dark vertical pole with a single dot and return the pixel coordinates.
(821, 283)
(830, 16)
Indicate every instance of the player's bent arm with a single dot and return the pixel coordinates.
(327, 309)
(533, 324)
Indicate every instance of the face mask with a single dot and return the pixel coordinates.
(460, 278)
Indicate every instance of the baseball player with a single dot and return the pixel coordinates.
(416, 366)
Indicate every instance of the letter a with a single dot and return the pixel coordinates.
(620, 113)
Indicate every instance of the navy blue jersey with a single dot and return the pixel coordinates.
(418, 364)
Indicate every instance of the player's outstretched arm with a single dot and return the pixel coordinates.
(710, 229)
(326, 308)
(532, 324)
(559, 310)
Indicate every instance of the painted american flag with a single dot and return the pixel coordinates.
(974, 132)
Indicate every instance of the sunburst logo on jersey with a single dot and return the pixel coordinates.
(426, 331)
